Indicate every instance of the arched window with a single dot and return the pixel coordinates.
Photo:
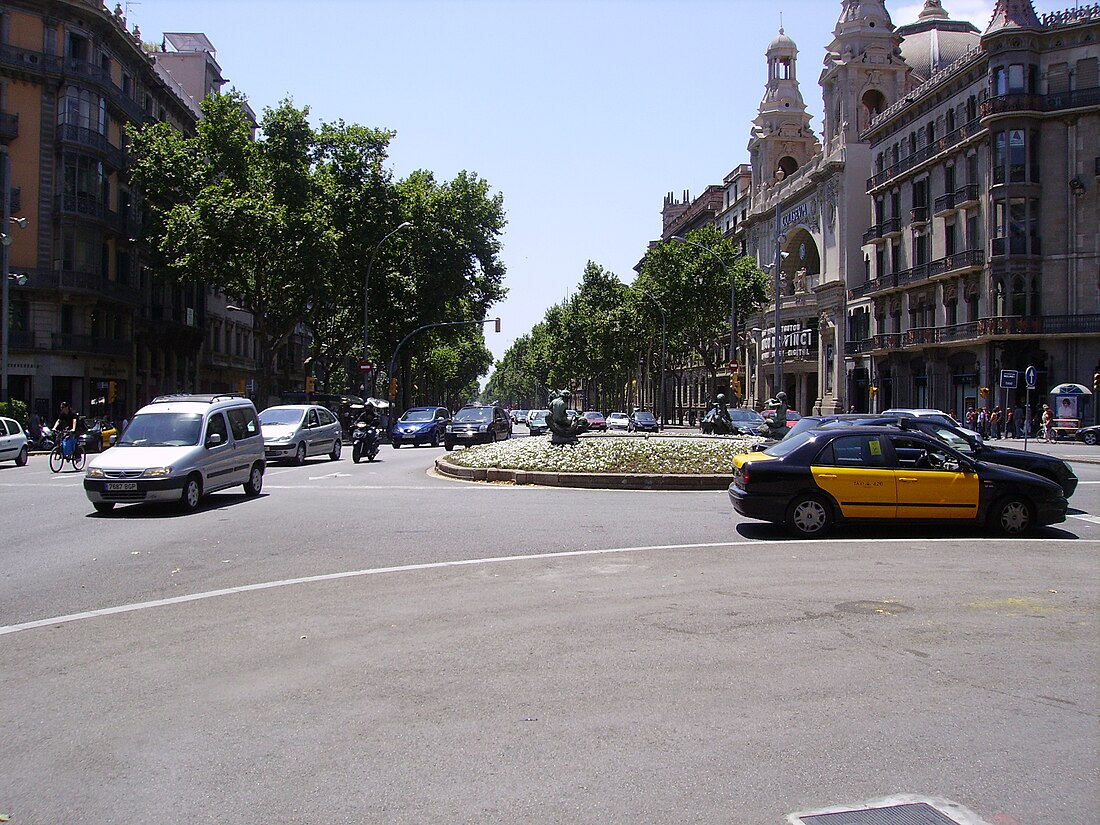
(873, 103)
(788, 165)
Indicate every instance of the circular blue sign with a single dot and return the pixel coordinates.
(1031, 377)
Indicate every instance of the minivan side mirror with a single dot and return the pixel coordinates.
(214, 439)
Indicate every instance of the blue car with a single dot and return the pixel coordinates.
(420, 425)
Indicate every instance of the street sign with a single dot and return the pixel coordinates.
(1031, 377)
(365, 366)
(1009, 379)
(733, 366)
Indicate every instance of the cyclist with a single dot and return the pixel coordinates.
(66, 419)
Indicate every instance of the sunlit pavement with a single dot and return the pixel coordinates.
(462, 652)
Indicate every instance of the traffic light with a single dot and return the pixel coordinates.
(1096, 381)
(498, 324)
(736, 385)
(309, 383)
(112, 391)
(983, 392)
(393, 389)
(240, 387)
(872, 390)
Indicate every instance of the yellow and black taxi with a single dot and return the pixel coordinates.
(817, 478)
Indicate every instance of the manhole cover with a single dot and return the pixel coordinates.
(920, 813)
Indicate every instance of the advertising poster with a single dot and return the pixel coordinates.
(1065, 406)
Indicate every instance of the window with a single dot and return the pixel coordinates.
(880, 261)
(66, 319)
(311, 418)
(244, 423)
(84, 177)
(81, 249)
(951, 310)
(77, 47)
(216, 426)
(950, 238)
(973, 232)
(853, 451)
(949, 179)
(895, 257)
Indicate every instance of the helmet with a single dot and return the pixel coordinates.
(781, 396)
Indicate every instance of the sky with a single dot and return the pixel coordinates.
(583, 114)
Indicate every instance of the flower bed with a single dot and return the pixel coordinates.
(653, 455)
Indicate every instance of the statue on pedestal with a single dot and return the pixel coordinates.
(563, 429)
(775, 425)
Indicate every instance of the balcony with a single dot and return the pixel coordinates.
(84, 206)
(966, 196)
(21, 339)
(873, 234)
(1005, 327)
(89, 283)
(945, 204)
(9, 126)
(1015, 246)
(860, 347)
(970, 259)
(918, 214)
(90, 139)
(64, 342)
(890, 227)
(1058, 102)
(925, 153)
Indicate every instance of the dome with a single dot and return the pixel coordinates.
(935, 41)
(782, 43)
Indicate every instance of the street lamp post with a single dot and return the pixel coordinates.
(366, 298)
(664, 337)
(733, 297)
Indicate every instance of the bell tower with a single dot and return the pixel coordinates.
(864, 71)
(782, 140)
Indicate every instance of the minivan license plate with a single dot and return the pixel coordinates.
(121, 486)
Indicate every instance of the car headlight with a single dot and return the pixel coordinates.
(157, 472)
(282, 439)
(94, 472)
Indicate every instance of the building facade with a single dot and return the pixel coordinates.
(941, 229)
(984, 251)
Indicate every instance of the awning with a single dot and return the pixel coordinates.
(1070, 389)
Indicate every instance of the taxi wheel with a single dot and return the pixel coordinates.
(1011, 516)
(809, 517)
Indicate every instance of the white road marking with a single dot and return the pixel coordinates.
(330, 475)
(1085, 517)
(438, 565)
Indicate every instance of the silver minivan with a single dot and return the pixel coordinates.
(179, 448)
(293, 432)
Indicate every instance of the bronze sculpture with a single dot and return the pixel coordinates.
(775, 426)
(563, 429)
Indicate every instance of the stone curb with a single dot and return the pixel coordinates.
(591, 481)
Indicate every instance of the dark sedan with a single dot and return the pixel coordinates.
(420, 425)
(1089, 435)
(644, 421)
(813, 480)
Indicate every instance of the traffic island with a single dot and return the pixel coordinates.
(641, 462)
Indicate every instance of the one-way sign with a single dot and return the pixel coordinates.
(1031, 377)
(1009, 379)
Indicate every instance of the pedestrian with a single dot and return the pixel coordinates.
(691, 417)
(995, 424)
(1047, 423)
(1010, 423)
(983, 422)
(972, 419)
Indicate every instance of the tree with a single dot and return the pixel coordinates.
(694, 289)
(243, 215)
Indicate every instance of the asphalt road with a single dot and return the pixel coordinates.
(369, 643)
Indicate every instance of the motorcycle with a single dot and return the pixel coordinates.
(44, 442)
(365, 441)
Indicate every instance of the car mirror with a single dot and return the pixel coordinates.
(967, 466)
(757, 448)
(214, 439)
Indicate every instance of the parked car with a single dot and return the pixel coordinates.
(294, 432)
(934, 415)
(958, 438)
(1089, 435)
(420, 425)
(618, 421)
(520, 417)
(643, 421)
(13, 442)
(477, 424)
(596, 421)
(536, 422)
(820, 477)
(179, 448)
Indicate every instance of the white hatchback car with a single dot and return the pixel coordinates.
(13, 442)
(296, 431)
(618, 421)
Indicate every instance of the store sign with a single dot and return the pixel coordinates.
(799, 214)
(798, 341)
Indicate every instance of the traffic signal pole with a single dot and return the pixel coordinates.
(393, 358)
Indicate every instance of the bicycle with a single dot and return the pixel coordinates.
(68, 449)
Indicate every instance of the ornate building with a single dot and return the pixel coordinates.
(983, 253)
(945, 226)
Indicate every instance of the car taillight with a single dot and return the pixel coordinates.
(744, 475)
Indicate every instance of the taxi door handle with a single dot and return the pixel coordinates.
(826, 475)
(907, 478)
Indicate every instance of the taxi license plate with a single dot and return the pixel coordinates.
(121, 486)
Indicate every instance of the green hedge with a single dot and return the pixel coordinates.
(15, 409)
